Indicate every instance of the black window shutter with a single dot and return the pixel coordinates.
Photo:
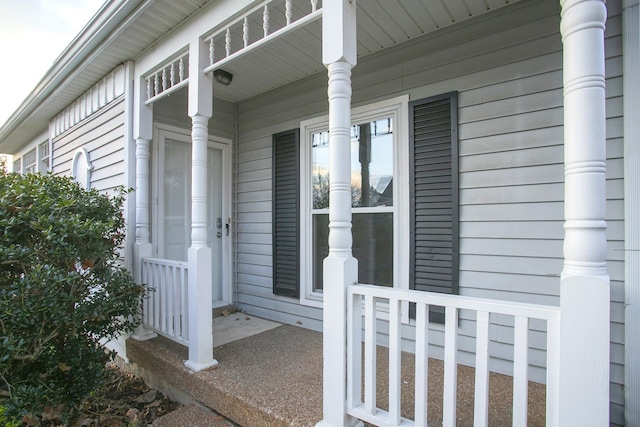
(286, 215)
(434, 228)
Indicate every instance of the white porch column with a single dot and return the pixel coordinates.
(142, 132)
(199, 254)
(340, 267)
(631, 84)
(584, 288)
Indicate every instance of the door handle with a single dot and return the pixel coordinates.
(227, 227)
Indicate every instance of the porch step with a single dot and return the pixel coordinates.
(259, 382)
(192, 415)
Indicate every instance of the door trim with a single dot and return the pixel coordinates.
(160, 133)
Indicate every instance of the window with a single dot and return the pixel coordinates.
(43, 155)
(372, 198)
(29, 161)
(17, 165)
(379, 189)
(404, 186)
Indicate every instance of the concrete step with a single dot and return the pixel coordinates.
(272, 379)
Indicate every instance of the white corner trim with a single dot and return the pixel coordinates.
(81, 167)
(631, 77)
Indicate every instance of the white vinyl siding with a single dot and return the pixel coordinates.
(102, 135)
(507, 69)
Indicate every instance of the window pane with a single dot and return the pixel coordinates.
(177, 203)
(320, 179)
(371, 162)
(372, 247)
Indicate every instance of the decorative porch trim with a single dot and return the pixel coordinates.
(106, 90)
(168, 78)
(81, 168)
(222, 48)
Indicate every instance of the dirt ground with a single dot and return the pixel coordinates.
(124, 401)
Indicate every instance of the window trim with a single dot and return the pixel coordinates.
(398, 109)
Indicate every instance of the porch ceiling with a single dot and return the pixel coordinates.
(124, 29)
(380, 24)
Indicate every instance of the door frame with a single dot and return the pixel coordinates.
(160, 133)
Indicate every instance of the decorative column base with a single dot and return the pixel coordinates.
(141, 251)
(337, 273)
(584, 347)
(200, 315)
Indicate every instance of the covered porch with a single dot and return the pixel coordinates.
(253, 386)
(280, 44)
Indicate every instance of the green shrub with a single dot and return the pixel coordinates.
(63, 290)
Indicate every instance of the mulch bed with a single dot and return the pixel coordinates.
(124, 401)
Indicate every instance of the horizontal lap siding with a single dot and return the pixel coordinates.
(508, 76)
(258, 120)
(102, 135)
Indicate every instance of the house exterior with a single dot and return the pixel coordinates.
(485, 149)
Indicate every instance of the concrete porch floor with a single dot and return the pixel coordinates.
(271, 375)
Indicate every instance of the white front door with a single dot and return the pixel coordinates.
(173, 213)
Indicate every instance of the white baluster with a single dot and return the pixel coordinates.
(172, 74)
(265, 20)
(288, 12)
(181, 69)
(314, 5)
(245, 31)
(227, 42)
(164, 79)
(156, 85)
(211, 51)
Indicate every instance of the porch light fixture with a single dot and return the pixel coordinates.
(223, 77)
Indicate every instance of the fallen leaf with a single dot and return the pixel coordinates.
(31, 420)
(132, 414)
(64, 367)
(50, 413)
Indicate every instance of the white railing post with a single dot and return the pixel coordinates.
(584, 287)
(340, 267)
(199, 253)
(142, 129)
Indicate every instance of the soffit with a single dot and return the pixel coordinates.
(296, 55)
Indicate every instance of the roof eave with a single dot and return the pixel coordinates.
(103, 23)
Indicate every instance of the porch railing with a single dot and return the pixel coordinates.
(166, 311)
(362, 302)
(267, 20)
